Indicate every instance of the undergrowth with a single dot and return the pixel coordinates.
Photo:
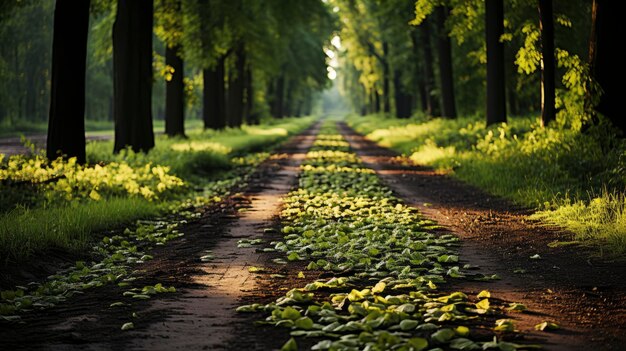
(563, 173)
(38, 198)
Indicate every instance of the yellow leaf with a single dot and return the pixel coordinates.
(483, 304)
(379, 287)
(94, 195)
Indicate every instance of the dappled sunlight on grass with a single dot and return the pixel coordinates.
(538, 167)
(602, 218)
(196, 146)
(255, 130)
(430, 153)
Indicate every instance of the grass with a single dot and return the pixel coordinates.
(26, 232)
(37, 215)
(562, 173)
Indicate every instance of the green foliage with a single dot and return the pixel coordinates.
(553, 169)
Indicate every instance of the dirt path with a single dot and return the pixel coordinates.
(201, 315)
(586, 296)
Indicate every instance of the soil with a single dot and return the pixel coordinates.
(569, 285)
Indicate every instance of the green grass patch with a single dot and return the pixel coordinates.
(25, 232)
(560, 172)
(39, 199)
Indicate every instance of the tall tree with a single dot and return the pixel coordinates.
(132, 65)
(66, 125)
(420, 84)
(236, 88)
(214, 96)
(402, 99)
(445, 64)
(386, 77)
(608, 68)
(169, 28)
(174, 93)
(278, 96)
(494, 28)
(546, 26)
(432, 104)
(251, 115)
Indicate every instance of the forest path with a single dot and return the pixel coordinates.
(201, 315)
(586, 296)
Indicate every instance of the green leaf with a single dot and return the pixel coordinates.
(547, 326)
(504, 325)
(293, 256)
(291, 344)
(516, 307)
(305, 323)
(322, 345)
(254, 269)
(247, 308)
(290, 313)
(448, 259)
(463, 344)
(408, 324)
(417, 344)
(141, 296)
(443, 335)
(11, 318)
(406, 308)
(128, 326)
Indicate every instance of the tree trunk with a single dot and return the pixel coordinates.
(288, 102)
(432, 105)
(213, 97)
(66, 124)
(376, 101)
(132, 78)
(494, 28)
(607, 62)
(402, 99)
(386, 92)
(174, 94)
(445, 64)
(236, 87)
(546, 26)
(252, 117)
(280, 97)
